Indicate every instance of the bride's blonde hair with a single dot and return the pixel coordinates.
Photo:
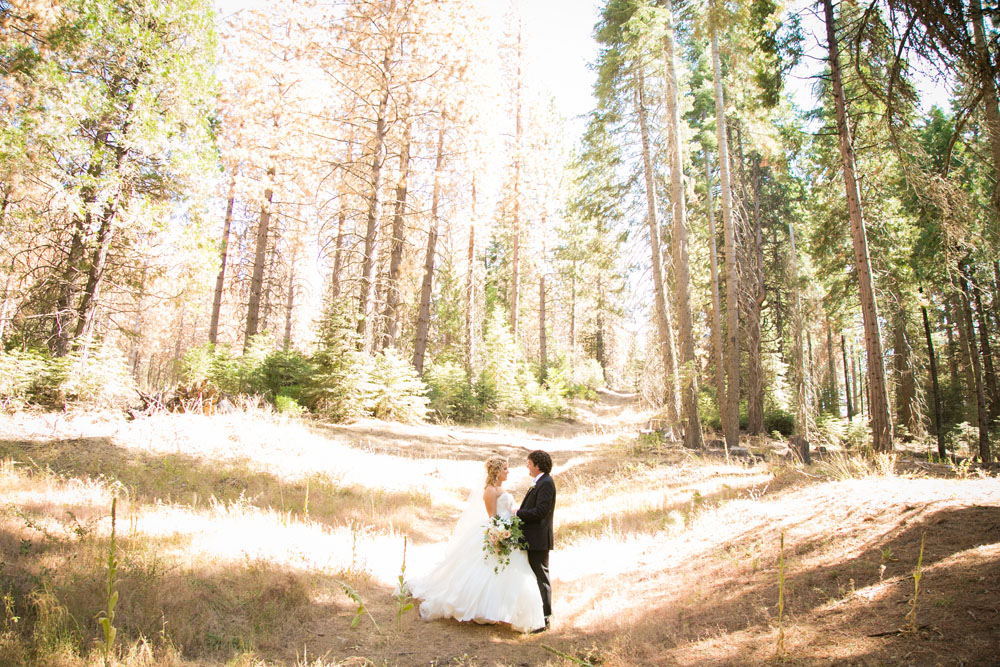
(494, 465)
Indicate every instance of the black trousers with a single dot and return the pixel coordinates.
(539, 562)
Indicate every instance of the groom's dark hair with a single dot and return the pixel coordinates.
(542, 460)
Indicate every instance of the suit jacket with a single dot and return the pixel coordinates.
(536, 514)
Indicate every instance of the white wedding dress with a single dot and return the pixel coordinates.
(465, 587)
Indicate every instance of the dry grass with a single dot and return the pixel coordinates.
(236, 532)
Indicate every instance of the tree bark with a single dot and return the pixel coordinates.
(682, 276)
(755, 368)
(543, 360)
(662, 305)
(424, 316)
(881, 421)
(391, 313)
(847, 381)
(257, 280)
(95, 274)
(831, 370)
(470, 287)
(366, 304)
(977, 371)
(801, 383)
(220, 279)
(515, 271)
(720, 360)
(952, 348)
(935, 387)
(987, 79)
(989, 374)
(731, 410)
(965, 346)
(289, 305)
(906, 392)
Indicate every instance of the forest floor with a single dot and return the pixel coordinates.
(238, 535)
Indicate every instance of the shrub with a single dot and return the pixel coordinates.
(539, 400)
(287, 405)
(19, 372)
(782, 421)
(284, 373)
(450, 394)
(393, 389)
(99, 377)
(334, 390)
(230, 372)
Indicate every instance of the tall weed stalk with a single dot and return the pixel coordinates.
(107, 617)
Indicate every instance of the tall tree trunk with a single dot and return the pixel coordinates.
(572, 315)
(470, 287)
(543, 360)
(935, 388)
(338, 250)
(801, 381)
(987, 80)
(847, 380)
(220, 279)
(290, 302)
(881, 421)
(856, 383)
(662, 305)
(977, 371)
(755, 367)
(720, 360)
(391, 313)
(989, 374)
(682, 275)
(424, 316)
(831, 369)
(996, 293)
(257, 280)
(515, 270)
(366, 304)
(965, 346)
(952, 347)
(95, 273)
(906, 392)
(731, 410)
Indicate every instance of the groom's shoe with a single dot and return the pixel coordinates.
(542, 629)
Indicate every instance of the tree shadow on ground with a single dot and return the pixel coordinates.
(838, 605)
(190, 481)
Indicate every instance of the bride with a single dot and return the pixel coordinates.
(465, 584)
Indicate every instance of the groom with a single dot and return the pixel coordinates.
(536, 515)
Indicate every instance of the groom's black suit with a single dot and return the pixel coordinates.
(536, 515)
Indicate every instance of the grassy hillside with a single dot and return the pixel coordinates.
(241, 538)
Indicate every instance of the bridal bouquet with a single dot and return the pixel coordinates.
(502, 536)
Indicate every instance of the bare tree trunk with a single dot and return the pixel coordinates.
(755, 369)
(220, 279)
(831, 369)
(977, 371)
(720, 359)
(290, 301)
(515, 271)
(952, 348)
(801, 382)
(338, 251)
(906, 392)
(731, 411)
(95, 274)
(935, 388)
(366, 304)
(543, 360)
(257, 280)
(662, 305)
(881, 421)
(682, 276)
(987, 79)
(847, 380)
(965, 345)
(424, 316)
(996, 293)
(391, 313)
(989, 375)
(470, 287)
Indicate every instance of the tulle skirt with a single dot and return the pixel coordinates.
(466, 588)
